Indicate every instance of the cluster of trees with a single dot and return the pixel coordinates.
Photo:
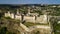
(3, 30)
(54, 25)
(7, 23)
(55, 11)
(24, 9)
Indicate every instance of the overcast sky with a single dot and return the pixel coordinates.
(29, 1)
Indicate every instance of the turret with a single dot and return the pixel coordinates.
(29, 10)
(17, 11)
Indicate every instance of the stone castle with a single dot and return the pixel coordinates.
(34, 18)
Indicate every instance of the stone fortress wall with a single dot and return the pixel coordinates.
(40, 19)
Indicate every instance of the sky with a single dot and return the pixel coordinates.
(29, 1)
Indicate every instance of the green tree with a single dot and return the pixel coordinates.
(53, 23)
(3, 30)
